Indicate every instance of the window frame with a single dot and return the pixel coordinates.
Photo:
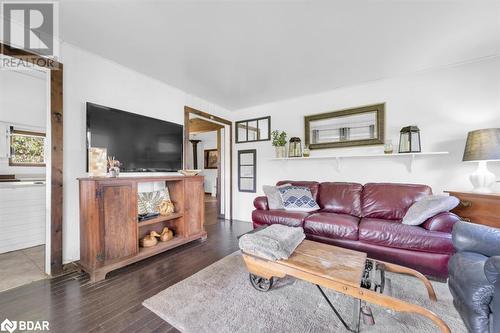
(254, 153)
(245, 122)
(26, 133)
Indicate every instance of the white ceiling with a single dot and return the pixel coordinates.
(243, 53)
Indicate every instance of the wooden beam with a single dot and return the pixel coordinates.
(198, 125)
(207, 115)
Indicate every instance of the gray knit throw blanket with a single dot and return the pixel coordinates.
(272, 243)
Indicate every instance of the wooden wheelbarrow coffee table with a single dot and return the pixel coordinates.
(345, 271)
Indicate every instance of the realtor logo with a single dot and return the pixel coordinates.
(29, 26)
(24, 325)
(8, 326)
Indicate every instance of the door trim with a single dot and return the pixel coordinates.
(56, 131)
(187, 111)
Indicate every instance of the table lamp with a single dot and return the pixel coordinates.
(482, 146)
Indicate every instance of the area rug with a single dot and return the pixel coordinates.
(220, 299)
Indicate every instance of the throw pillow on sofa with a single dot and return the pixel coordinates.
(298, 198)
(274, 200)
(428, 207)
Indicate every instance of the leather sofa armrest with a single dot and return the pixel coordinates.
(492, 269)
(476, 238)
(443, 222)
(260, 203)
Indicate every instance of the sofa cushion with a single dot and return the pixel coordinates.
(313, 186)
(390, 201)
(472, 293)
(332, 225)
(394, 234)
(274, 200)
(429, 206)
(278, 216)
(297, 198)
(342, 198)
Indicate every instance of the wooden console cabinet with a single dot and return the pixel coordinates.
(478, 208)
(109, 226)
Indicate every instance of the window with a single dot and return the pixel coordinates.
(247, 164)
(27, 148)
(253, 130)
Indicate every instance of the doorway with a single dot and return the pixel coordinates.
(23, 151)
(208, 148)
(53, 202)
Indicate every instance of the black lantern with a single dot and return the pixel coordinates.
(295, 147)
(409, 140)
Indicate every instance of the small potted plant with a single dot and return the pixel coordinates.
(279, 141)
(113, 167)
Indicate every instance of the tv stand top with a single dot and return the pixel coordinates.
(140, 178)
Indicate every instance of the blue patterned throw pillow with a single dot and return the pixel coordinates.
(297, 198)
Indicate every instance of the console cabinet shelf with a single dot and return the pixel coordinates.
(109, 226)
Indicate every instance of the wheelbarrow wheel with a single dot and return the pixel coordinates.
(260, 283)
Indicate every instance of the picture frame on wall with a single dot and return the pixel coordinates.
(211, 159)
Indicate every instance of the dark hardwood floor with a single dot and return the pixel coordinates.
(71, 304)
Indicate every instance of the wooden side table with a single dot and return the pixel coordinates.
(478, 207)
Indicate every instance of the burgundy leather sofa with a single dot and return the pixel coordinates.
(368, 218)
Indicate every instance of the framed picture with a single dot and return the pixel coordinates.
(359, 126)
(98, 162)
(211, 158)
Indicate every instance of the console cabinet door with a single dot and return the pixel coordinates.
(118, 220)
(194, 205)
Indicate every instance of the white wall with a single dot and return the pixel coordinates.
(445, 103)
(23, 104)
(88, 77)
(208, 141)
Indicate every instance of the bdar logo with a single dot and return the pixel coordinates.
(9, 326)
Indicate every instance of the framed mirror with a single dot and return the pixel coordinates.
(247, 173)
(346, 128)
(253, 130)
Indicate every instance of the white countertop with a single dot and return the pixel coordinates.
(22, 184)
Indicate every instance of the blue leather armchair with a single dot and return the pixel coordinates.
(474, 276)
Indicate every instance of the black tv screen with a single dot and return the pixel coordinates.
(141, 144)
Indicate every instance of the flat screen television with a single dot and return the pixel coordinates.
(141, 144)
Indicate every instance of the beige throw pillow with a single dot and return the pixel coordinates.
(274, 200)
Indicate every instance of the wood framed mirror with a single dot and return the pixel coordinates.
(359, 126)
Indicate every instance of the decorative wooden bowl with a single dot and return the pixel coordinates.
(190, 172)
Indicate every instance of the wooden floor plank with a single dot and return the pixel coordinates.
(72, 304)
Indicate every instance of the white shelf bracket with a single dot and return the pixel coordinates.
(412, 162)
(338, 165)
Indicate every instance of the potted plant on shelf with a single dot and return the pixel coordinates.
(279, 141)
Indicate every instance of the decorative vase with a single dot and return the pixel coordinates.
(280, 151)
(306, 152)
(388, 148)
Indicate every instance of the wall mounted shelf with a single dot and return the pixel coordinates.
(338, 158)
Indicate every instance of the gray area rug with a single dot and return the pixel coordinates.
(220, 299)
